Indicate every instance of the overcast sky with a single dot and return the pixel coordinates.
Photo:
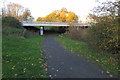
(40, 8)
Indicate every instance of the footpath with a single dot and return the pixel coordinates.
(62, 63)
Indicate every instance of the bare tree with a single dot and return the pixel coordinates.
(26, 14)
(17, 11)
(14, 10)
(108, 8)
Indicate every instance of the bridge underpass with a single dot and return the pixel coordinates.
(42, 26)
(46, 30)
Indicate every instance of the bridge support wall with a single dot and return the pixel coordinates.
(41, 30)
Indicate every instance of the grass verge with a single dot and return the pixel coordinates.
(22, 58)
(105, 60)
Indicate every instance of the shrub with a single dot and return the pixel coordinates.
(8, 31)
(77, 33)
(29, 34)
(104, 34)
(11, 26)
(10, 22)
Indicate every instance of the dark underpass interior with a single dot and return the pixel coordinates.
(54, 30)
(47, 30)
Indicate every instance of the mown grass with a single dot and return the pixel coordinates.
(105, 60)
(22, 58)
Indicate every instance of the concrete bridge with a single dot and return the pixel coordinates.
(38, 23)
(53, 24)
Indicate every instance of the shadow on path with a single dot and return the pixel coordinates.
(65, 64)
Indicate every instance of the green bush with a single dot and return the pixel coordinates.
(9, 31)
(29, 34)
(11, 26)
(10, 22)
(104, 34)
(77, 33)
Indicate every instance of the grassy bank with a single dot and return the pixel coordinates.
(105, 60)
(22, 58)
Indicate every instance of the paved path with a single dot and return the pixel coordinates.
(64, 64)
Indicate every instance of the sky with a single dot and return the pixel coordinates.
(41, 8)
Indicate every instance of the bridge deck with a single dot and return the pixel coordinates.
(37, 23)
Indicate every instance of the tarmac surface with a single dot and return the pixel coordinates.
(62, 63)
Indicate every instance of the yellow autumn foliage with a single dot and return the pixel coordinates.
(60, 16)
